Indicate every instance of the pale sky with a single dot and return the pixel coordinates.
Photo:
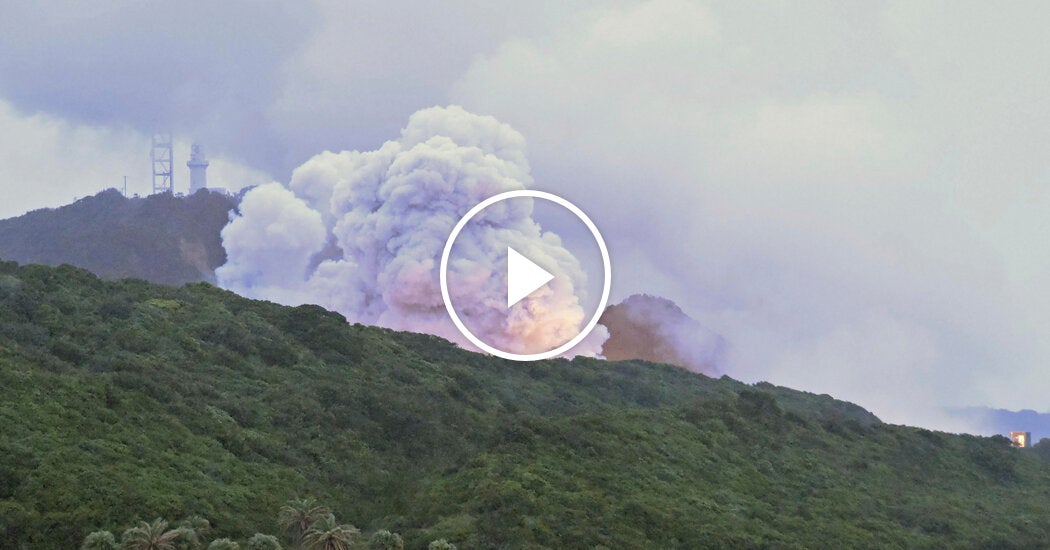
(854, 194)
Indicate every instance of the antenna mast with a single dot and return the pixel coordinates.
(163, 161)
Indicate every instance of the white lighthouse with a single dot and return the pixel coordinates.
(198, 166)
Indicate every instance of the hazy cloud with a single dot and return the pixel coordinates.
(839, 190)
(203, 70)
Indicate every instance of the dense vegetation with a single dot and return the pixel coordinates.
(160, 238)
(305, 524)
(121, 402)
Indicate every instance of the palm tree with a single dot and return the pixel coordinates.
(325, 534)
(298, 515)
(150, 536)
(99, 540)
(223, 544)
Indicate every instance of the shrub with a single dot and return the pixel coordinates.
(385, 540)
(260, 541)
(99, 540)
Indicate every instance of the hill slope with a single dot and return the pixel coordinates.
(125, 400)
(160, 238)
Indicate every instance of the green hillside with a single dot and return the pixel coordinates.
(126, 401)
(161, 238)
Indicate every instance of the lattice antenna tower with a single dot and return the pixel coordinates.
(163, 161)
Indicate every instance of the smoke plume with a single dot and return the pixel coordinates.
(655, 329)
(362, 233)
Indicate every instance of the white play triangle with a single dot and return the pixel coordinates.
(523, 277)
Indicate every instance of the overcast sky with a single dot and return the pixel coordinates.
(854, 194)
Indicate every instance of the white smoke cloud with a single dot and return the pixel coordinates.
(362, 233)
(276, 237)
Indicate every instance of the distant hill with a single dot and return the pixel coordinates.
(122, 401)
(1002, 421)
(160, 238)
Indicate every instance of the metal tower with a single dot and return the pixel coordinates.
(163, 162)
(198, 166)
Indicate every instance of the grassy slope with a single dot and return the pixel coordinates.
(124, 400)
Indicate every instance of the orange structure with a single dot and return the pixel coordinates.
(1021, 439)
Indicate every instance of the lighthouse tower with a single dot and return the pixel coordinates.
(198, 169)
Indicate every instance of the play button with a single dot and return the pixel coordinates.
(523, 277)
(527, 283)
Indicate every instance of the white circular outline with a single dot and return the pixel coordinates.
(605, 264)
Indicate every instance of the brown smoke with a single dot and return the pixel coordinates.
(656, 329)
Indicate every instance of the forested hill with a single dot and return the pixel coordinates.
(160, 238)
(126, 401)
